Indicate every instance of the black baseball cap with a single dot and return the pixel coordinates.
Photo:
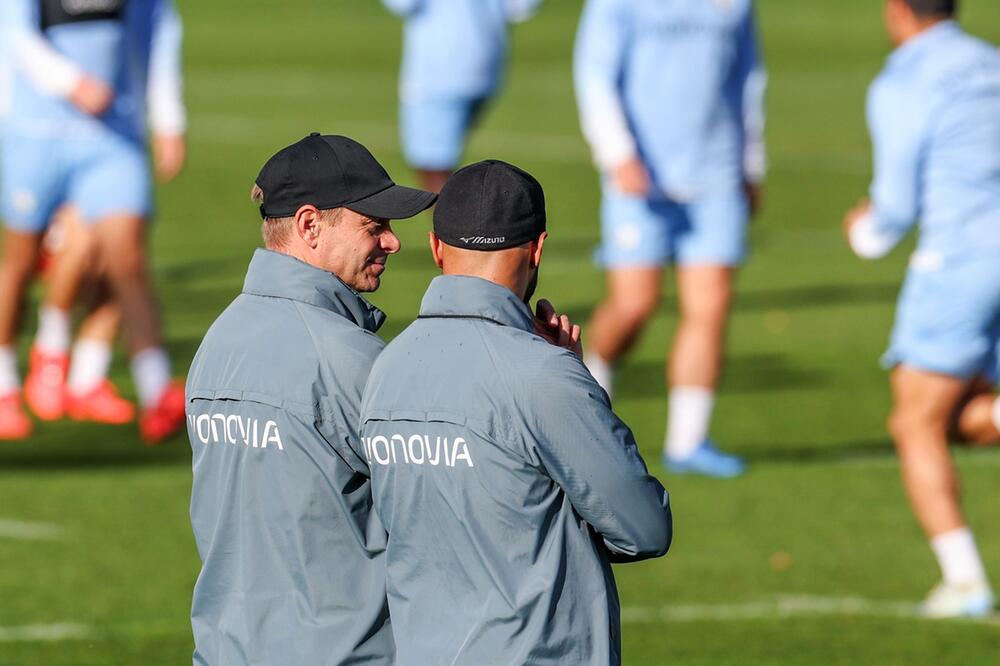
(332, 172)
(490, 205)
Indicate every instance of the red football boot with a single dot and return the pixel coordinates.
(101, 404)
(165, 418)
(45, 387)
(14, 421)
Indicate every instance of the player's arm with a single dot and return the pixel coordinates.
(599, 56)
(747, 86)
(592, 456)
(164, 92)
(47, 69)
(874, 228)
(403, 7)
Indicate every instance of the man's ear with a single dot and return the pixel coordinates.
(436, 249)
(307, 225)
(536, 250)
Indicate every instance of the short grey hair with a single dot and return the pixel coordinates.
(277, 231)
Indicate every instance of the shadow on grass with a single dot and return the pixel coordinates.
(790, 298)
(874, 450)
(743, 374)
(59, 447)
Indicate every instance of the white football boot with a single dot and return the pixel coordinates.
(972, 599)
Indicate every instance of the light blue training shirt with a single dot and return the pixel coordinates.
(455, 48)
(132, 46)
(680, 84)
(934, 116)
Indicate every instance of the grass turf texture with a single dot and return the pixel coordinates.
(821, 513)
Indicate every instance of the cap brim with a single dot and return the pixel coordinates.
(394, 203)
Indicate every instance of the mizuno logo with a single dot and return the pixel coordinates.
(482, 240)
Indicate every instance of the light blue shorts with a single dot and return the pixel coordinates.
(433, 131)
(101, 175)
(948, 319)
(640, 231)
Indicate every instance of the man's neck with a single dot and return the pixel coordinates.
(503, 278)
(920, 26)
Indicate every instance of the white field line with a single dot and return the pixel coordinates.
(43, 633)
(781, 608)
(25, 531)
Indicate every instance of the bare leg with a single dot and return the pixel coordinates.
(923, 404)
(433, 180)
(975, 419)
(74, 263)
(704, 297)
(704, 294)
(103, 319)
(122, 243)
(20, 255)
(633, 296)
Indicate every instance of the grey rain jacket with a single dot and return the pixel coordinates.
(293, 557)
(507, 486)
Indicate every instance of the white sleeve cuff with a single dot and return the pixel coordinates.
(45, 67)
(754, 163)
(167, 115)
(604, 126)
(519, 11)
(867, 241)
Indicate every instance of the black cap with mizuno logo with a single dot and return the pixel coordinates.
(334, 172)
(490, 205)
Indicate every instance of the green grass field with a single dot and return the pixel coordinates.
(812, 558)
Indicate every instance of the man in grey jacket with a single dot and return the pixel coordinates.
(505, 482)
(293, 563)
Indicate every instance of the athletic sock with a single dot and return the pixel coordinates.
(54, 330)
(601, 370)
(9, 379)
(689, 414)
(151, 374)
(958, 556)
(89, 365)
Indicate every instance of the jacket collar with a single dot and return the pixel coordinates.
(467, 296)
(281, 276)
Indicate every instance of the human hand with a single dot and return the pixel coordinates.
(91, 95)
(557, 329)
(632, 177)
(755, 194)
(859, 211)
(169, 153)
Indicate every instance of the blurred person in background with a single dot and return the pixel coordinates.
(82, 79)
(934, 117)
(671, 102)
(454, 53)
(68, 248)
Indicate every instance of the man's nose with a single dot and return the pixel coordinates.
(390, 242)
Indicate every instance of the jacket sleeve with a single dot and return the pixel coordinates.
(47, 69)
(897, 129)
(164, 93)
(746, 90)
(598, 59)
(592, 456)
